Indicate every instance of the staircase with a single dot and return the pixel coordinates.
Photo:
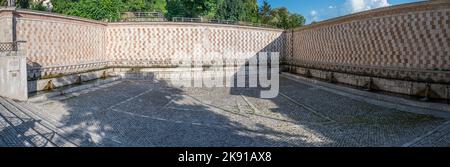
(21, 127)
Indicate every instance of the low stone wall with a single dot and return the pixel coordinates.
(412, 88)
(44, 84)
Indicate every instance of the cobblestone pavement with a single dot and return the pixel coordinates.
(144, 113)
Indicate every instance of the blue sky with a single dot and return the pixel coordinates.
(319, 10)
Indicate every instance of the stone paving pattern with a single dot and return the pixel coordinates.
(147, 113)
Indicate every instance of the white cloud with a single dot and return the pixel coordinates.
(348, 7)
(314, 15)
(361, 5)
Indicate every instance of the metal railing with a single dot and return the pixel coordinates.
(159, 17)
(186, 19)
(148, 14)
(217, 21)
(142, 16)
(8, 46)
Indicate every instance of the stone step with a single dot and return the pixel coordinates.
(9, 136)
(50, 126)
(42, 127)
(24, 128)
(33, 110)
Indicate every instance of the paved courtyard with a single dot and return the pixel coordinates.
(145, 113)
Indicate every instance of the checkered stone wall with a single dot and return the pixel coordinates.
(409, 42)
(58, 45)
(155, 44)
(6, 25)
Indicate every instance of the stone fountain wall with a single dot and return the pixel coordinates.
(402, 49)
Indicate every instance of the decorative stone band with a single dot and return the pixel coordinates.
(142, 63)
(8, 46)
(427, 76)
(35, 72)
(170, 63)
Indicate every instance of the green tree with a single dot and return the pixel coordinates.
(250, 12)
(61, 6)
(238, 10)
(25, 4)
(97, 9)
(145, 6)
(38, 6)
(156, 6)
(230, 10)
(264, 12)
(3, 3)
(279, 17)
(282, 18)
(190, 8)
(296, 20)
(134, 5)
